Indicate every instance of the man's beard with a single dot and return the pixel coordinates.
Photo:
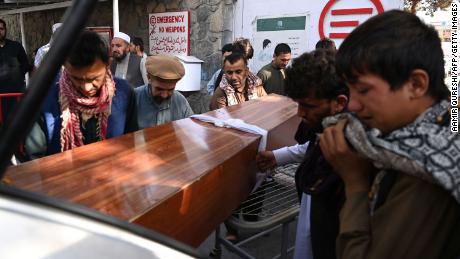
(159, 99)
(236, 86)
(120, 58)
(312, 128)
(280, 66)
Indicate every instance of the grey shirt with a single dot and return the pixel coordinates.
(272, 79)
(151, 113)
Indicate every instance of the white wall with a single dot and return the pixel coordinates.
(246, 12)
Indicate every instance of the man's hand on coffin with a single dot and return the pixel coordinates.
(352, 168)
(265, 160)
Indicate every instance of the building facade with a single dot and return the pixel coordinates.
(211, 24)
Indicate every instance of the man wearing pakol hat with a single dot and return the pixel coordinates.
(157, 101)
(125, 65)
(45, 48)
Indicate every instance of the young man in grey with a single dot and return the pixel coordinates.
(272, 74)
(157, 101)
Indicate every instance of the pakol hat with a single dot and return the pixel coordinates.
(165, 67)
(122, 36)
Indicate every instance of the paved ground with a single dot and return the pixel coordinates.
(279, 195)
(267, 246)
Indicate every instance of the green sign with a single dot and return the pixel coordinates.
(282, 23)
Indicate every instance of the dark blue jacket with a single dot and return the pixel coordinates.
(123, 117)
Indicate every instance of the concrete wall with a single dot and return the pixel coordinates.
(211, 25)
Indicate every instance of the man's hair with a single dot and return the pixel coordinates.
(234, 57)
(265, 43)
(325, 43)
(392, 45)
(137, 41)
(88, 49)
(227, 48)
(244, 46)
(313, 75)
(3, 22)
(282, 48)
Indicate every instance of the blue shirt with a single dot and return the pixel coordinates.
(212, 82)
(45, 139)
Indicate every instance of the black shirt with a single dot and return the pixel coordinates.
(13, 67)
(317, 178)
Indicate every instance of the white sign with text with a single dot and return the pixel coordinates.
(169, 33)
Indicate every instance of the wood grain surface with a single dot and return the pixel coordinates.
(181, 179)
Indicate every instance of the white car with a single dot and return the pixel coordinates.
(36, 226)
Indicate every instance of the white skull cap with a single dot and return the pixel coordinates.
(122, 36)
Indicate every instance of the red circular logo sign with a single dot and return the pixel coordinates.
(343, 12)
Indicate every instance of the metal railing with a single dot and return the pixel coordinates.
(275, 204)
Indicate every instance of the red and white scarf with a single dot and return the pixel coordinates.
(252, 82)
(73, 104)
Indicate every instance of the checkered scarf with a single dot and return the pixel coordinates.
(74, 104)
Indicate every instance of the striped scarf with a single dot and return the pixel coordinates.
(252, 82)
(73, 104)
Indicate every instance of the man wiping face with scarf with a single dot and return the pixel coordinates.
(87, 104)
(395, 152)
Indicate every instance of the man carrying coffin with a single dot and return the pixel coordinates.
(158, 102)
(85, 105)
(238, 84)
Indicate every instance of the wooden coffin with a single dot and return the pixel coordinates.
(181, 179)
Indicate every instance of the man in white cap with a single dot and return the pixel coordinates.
(158, 102)
(41, 52)
(124, 65)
